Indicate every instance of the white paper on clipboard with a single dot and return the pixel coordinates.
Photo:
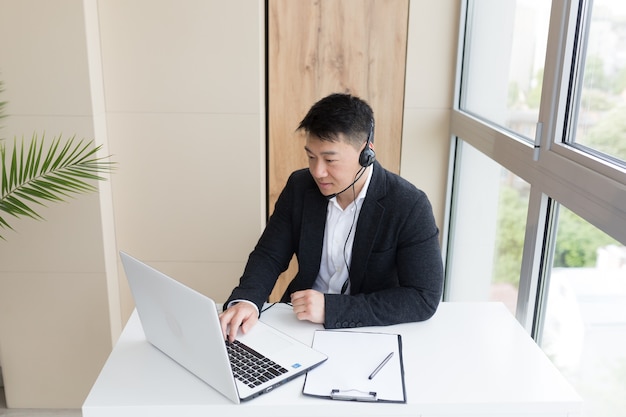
(352, 358)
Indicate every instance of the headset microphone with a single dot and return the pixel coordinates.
(358, 176)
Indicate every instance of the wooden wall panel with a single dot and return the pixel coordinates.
(319, 47)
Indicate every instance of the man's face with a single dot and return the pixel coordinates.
(334, 165)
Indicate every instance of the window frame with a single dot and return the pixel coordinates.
(558, 172)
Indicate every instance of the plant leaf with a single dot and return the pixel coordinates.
(33, 174)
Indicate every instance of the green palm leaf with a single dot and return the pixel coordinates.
(34, 174)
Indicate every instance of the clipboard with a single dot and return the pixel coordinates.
(361, 366)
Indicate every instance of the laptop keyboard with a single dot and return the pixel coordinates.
(249, 366)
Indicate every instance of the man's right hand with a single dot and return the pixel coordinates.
(241, 315)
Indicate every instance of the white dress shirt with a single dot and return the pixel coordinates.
(338, 239)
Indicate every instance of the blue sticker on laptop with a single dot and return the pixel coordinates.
(296, 365)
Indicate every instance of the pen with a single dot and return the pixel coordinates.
(379, 367)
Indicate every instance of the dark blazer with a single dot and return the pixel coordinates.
(396, 273)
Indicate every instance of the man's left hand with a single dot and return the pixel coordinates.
(308, 305)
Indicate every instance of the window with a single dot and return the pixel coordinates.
(599, 108)
(539, 180)
(584, 324)
(507, 91)
(488, 233)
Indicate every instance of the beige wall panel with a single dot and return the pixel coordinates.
(182, 56)
(431, 53)
(186, 120)
(66, 241)
(194, 200)
(321, 47)
(54, 329)
(42, 78)
(59, 343)
(429, 94)
(425, 151)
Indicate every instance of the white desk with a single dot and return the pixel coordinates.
(470, 359)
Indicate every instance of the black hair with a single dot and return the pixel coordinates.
(339, 113)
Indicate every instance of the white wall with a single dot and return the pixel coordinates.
(175, 91)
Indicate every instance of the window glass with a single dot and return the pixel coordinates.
(584, 328)
(488, 226)
(601, 121)
(503, 62)
(580, 315)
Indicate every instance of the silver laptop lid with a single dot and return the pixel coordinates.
(182, 323)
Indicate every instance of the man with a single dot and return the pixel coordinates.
(365, 239)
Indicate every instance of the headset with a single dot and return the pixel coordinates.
(367, 155)
(366, 158)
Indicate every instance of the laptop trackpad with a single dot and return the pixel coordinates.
(264, 340)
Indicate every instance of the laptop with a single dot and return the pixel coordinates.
(184, 325)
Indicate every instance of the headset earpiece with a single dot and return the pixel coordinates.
(367, 155)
